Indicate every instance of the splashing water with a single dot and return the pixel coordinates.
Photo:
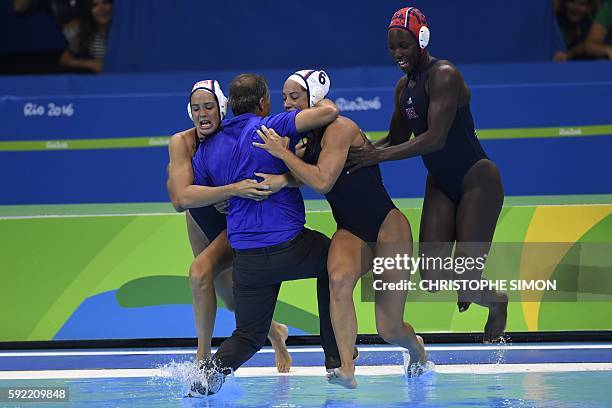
(196, 379)
(184, 373)
(499, 355)
(415, 370)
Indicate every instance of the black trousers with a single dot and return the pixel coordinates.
(258, 274)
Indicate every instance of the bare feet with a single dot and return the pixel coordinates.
(343, 377)
(278, 335)
(496, 322)
(418, 359)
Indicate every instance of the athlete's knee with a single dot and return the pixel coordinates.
(341, 282)
(395, 229)
(391, 332)
(201, 273)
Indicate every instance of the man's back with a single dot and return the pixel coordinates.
(230, 157)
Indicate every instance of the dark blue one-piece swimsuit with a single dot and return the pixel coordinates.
(359, 200)
(461, 150)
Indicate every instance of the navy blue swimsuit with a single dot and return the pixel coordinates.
(359, 200)
(210, 221)
(462, 149)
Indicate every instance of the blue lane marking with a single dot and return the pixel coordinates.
(368, 356)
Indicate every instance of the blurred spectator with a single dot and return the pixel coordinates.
(38, 39)
(599, 40)
(86, 37)
(557, 3)
(62, 11)
(575, 18)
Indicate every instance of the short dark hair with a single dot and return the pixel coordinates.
(245, 92)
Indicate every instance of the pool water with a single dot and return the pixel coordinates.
(530, 389)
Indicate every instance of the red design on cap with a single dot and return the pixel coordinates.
(399, 19)
(409, 18)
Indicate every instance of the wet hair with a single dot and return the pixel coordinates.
(245, 91)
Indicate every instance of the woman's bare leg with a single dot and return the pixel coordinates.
(395, 238)
(349, 257)
(202, 281)
(477, 215)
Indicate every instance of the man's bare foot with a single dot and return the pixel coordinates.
(496, 322)
(278, 335)
(345, 378)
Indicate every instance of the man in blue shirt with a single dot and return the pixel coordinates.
(268, 237)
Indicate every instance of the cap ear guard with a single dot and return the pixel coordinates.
(316, 83)
(424, 37)
(213, 87)
(189, 111)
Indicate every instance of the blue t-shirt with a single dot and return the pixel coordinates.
(228, 157)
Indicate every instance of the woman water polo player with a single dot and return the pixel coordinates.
(209, 273)
(368, 222)
(463, 191)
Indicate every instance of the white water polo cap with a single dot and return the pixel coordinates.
(316, 84)
(212, 86)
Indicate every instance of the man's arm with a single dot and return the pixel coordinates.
(184, 194)
(322, 114)
(323, 175)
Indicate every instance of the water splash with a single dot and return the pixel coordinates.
(182, 373)
(415, 370)
(499, 354)
(193, 377)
